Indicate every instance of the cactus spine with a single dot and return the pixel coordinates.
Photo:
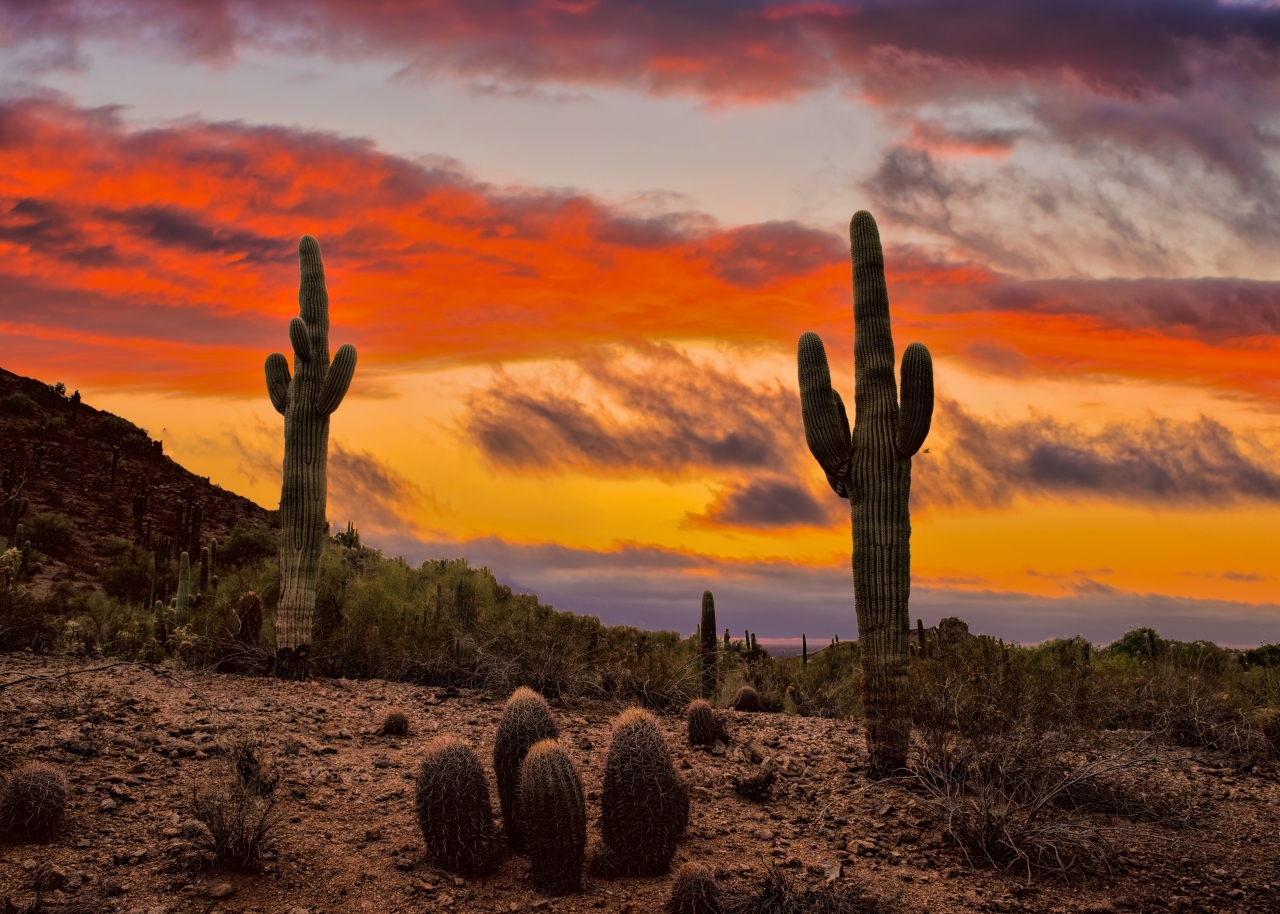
(553, 817)
(872, 468)
(306, 400)
(183, 614)
(644, 807)
(707, 629)
(526, 720)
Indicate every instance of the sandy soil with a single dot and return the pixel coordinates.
(135, 741)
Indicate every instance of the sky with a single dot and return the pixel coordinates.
(575, 243)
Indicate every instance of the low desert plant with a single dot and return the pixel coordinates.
(747, 699)
(247, 755)
(51, 533)
(778, 894)
(454, 811)
(644, 806)
(705, 729)
(553, 818)
(34, 801)
(694, 891)
(526, 720)
(238, 822)
(396, 723)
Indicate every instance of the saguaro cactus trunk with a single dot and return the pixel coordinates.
(306, 400)
(872, 468)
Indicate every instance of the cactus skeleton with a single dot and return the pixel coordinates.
(306, 400)
(872, 468)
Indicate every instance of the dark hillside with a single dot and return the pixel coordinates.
(60, 456)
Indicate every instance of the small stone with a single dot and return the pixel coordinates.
(718, 748)
(403, 864)
(107, 805)
(832, 871)
(221, 890)
(584, 744)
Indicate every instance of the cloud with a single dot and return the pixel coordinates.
(652, 587)
(652, 411)
(767, 504)
(374, 495)
(1160, 463)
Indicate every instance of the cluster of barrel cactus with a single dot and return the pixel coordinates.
(644, 804)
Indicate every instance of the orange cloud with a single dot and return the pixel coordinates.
(166, 256)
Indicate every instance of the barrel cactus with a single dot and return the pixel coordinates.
(553, 818)
(746, 699)
(33, 801)
(306, 400)
(526, 720)
(454, 811)
(707, 631)
(705, 729)
(872, 468)
(694, 891)
(160, 623)
(644, 806)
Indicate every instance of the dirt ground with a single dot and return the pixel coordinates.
(136, 740)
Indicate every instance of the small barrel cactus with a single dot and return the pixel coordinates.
(694, 891)
(34, 801)
(526, 720)
(704, 727)
(746, 699)
(453, 807)
(553, 818)
(396, 723)
(644, 805)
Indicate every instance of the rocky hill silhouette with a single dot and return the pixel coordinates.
(60, 455)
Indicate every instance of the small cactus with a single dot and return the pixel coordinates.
(644, 805)
(396, 723)
(249, 612)
(704, 727)
(746, 699)
(160, 623)
(707, 639)
(526, 720)
(182, 613)
(694, 891)
(453, 807)
(553, 817)
(34, 801)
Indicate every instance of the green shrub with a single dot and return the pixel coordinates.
(128, 575)
(247, 546)
(120, 432)
(53, 534)
(18, 404)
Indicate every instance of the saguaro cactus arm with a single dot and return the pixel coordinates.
(278, 379)
(917, 400)
(338, 378)
(826, 424)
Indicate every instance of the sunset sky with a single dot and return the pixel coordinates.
(575, 244)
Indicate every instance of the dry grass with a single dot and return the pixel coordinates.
(237, 811)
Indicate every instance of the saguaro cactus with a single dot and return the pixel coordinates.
(707, 630)
(872, 468)
(306, 400)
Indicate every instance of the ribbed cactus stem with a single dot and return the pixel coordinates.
(872, 468)
(160, 623)
(183, 614)
(306, 399)
(707, 630)
(553, 816)
(206, 569)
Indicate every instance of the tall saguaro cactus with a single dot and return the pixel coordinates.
(306, 400)
(872, 468)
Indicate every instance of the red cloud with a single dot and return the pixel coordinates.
(127, 256)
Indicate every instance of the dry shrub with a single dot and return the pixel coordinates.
(238, 810)
(1032, 800)
(779, 894)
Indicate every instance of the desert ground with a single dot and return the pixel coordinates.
(136, 740)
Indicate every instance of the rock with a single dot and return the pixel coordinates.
(403, 864)
(718, 748)
(221, 890)
(107, 805)
(584, 744)
(833, 871)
